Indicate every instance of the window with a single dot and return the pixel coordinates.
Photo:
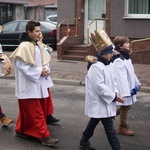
(137, 9)
(22, 26)
(10, 27)
(96, 9)
(6, 13)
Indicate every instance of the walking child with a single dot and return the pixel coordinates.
(127, 82)
(101, 94)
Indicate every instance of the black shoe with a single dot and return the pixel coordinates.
(86, 145)
(51, 120)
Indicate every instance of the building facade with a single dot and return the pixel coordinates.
(11, 10)
(129, 18)
(39, 10)
(26, 9)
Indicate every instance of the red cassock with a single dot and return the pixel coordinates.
(32, 116)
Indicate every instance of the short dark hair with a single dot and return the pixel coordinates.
(119, 41)
(31, 25)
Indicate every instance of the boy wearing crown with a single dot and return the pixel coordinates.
(101, 94)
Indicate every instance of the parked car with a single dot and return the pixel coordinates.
(52, 19)
(9, 36)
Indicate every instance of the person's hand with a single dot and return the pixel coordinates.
(44, 72)
(135, 90)
(119, 99)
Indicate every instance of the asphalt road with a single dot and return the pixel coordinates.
(69, 107)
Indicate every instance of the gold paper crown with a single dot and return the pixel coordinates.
(100, 40)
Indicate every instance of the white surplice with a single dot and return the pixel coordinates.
(126, 80)
(31, 84)
(100, 91)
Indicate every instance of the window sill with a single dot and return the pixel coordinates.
(142, 18)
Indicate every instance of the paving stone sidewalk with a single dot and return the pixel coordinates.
(76, 70)
(68, 70)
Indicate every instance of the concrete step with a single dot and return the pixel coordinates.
(73, 57)
(76, 52)
(78, 47)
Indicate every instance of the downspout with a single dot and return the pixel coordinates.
(25, 12)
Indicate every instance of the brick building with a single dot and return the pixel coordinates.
(78, 18)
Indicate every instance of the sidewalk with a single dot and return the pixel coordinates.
(67, 70)
(73, 72)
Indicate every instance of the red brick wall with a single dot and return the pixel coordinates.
(141, 51)
(80, 22)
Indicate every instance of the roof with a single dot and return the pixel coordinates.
(42, 3)
(14, 1)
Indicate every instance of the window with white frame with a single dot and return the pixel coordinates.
(137, 9)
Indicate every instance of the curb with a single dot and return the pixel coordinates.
(145, 89)
(55, 81)
(8, 77)
(68, 82)
(71, 82)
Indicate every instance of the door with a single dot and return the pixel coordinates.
(94, 16)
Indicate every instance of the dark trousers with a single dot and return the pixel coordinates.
(109, 130)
